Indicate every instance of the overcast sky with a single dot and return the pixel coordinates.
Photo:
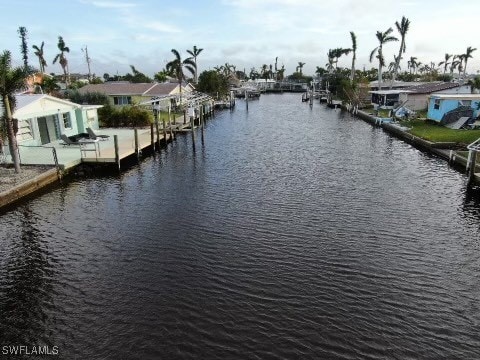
(245, 33)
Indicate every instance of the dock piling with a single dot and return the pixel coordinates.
(164, 131)
(152, 138)
(137, 150)
(117, 152)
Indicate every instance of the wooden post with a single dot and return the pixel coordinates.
(170, 125)
(117, 154)
(158, 135)
(185, 117)
(152, 137)
(472, 157)
(164, 132)
(192, 125)
(246, 98)
(137, 150)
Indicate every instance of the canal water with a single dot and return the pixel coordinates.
(290, 233)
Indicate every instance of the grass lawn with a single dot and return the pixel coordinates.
(437, 133)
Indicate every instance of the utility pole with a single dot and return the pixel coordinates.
(87, 58)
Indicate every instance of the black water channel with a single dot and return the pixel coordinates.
(292, 233)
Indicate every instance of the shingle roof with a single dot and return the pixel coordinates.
(429, 88)
(126, 88)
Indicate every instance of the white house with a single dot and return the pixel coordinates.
(416, 97)
(43, 118)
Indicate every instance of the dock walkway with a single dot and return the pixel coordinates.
(100, 151)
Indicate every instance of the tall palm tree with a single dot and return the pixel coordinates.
(300, 67)
(412, 64)
(454, 64)
(383, 38)
(22, 31)
(354, 57)
(466, 56)
(176, 67)
(445, 62)
(62, 59)
(11, 80)
(39, 53)
(402, 29)
(194, 53)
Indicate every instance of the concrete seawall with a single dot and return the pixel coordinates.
(441, 149)
(28, 187)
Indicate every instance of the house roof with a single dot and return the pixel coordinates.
(127, 88)
(456, 96)
(26, 104)
(388, 92)
(429, 88)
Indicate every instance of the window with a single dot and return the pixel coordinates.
(67, 121)
(122, 100)
(436, 104)
(465, 102)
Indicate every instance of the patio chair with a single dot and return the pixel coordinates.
(67, 141)
(93, 136)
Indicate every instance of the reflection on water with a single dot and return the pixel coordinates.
(28, 270)
(290, 233)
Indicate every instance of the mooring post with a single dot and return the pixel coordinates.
(192, 125)
(170, 123)
(471, 163)
(164, 131)
(158, 135)
(137, 150)
(246, 98)
(117, 154)
(152, 138)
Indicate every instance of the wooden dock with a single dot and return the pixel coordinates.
(121, 144)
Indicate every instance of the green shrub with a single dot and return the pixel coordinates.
(127, 116)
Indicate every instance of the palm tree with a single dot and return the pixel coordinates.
(383, 38)
(454, 64)
(402, 28)
(11, 80)
(39, 53)
(176, 66)
(62, 59)
(22, 31)
(354, 50)
(300, 67)
(195, 52)
(412, 64)
(466, 56)
(445, 62)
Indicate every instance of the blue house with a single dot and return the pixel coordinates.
(440, 106)
(43, 118)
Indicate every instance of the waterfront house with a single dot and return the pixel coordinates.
(385, 99)
(446, 108)
(416, 97)
(121, 93)
(43, 118)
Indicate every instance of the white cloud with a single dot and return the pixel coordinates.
(110, 4)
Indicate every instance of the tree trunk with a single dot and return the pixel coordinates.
(12, 141)
(352, 73)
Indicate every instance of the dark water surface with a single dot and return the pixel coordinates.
(292, 234)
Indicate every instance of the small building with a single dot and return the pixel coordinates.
(441, 105)
(416, 97)
(385, 99)
(43, 118)
(121, 93)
